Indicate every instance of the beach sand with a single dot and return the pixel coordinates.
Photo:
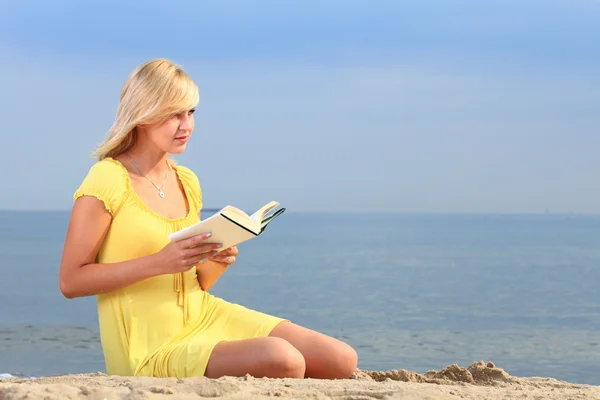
(478, 381)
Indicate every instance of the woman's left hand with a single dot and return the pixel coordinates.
(225, 257)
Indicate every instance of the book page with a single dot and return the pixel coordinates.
(259, 215)
(234, 210)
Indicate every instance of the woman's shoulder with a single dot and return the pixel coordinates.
(106, 180)
(108, 171)
(187, 175)
(109, 166)
(191, 182)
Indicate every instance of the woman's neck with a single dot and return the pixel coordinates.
(150, 163)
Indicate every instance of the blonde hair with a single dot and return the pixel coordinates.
(153, 92)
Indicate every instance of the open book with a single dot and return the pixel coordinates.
(231, 226)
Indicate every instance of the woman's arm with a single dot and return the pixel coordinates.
(211, 270)
(80, 275)
(209, 273)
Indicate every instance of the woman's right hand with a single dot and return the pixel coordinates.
(180, 256)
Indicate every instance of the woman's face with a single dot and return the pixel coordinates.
(171, 135)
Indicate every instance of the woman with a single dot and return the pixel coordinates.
(155, 313)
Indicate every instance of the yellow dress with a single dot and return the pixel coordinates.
(164, 326)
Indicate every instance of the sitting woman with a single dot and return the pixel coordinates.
(155, 314)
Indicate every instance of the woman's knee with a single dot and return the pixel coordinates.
(347, 361)
(281, 359)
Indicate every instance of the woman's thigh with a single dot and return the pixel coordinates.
(269, 357)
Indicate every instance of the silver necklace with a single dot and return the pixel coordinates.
(160, 191)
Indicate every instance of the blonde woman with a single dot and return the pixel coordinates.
(156, 315)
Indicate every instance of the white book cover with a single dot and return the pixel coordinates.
(231, 226)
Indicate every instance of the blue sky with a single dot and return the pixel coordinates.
(426, 106)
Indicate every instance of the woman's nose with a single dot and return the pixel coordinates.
(186, 121)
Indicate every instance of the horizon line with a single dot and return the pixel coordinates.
(365, 211)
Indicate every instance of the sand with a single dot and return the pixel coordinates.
(478, 381)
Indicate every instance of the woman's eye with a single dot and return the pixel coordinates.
(193, 110)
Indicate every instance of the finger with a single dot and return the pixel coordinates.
(224, 260)
(200, 249)
(195, 240)
(195, 258)
(231, 251)
(224, 253)
(190, 262)
(230, 260)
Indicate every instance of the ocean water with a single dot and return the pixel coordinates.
(417, 292)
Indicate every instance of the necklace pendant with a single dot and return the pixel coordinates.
(161, 193)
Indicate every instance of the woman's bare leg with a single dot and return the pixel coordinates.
(325, 357)
(269, 357)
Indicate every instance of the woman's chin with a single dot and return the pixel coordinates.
(177, 149)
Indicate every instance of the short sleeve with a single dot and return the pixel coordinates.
(107, 181)
(192, 185)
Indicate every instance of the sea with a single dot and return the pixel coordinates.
(407, 291)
